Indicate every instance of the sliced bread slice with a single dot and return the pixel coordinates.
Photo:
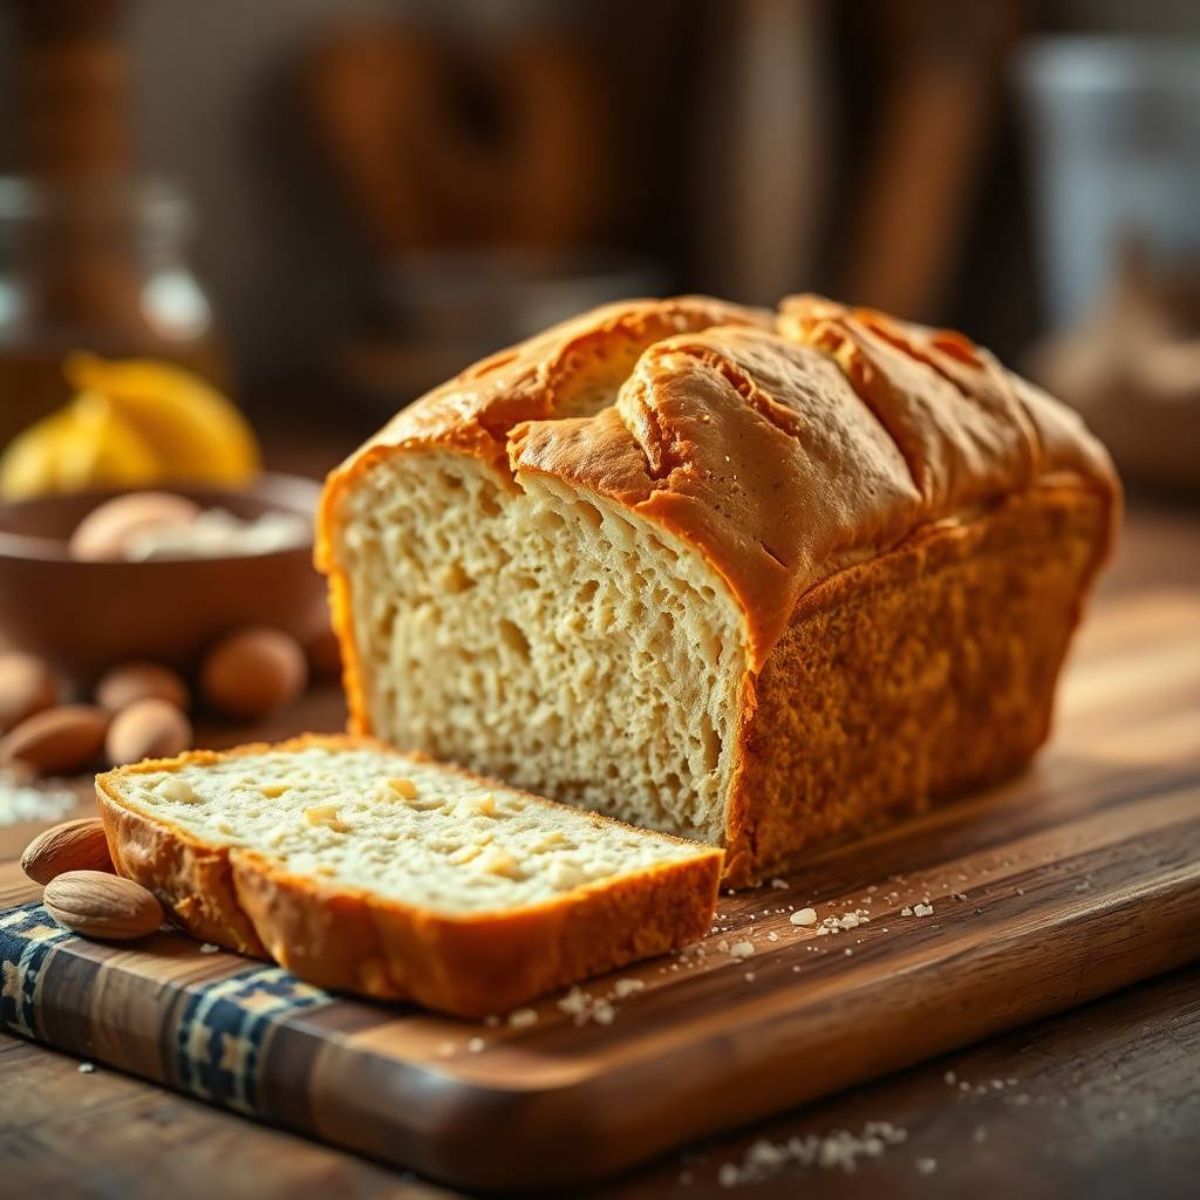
(366, 870)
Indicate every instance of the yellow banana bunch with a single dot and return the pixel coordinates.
(83, 445)
(133, 423)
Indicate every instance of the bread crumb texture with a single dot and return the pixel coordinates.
(528, 632)
(406, 830)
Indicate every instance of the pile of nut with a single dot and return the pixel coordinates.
(82, 890)
(140, 709)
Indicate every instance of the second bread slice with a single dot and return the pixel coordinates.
(363, 869)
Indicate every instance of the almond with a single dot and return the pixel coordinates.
(73, 846)
(133, 681)
(102, 906)
(58, 741)
(27, 686)
(147, 729)
(252, 673)
(106, 531)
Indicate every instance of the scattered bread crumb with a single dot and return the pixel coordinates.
(804, 916)
(209, 948)
(840, 1149)
(522, 1018)
(86, 1068)
(476, 1044)
(844, 923)
(584, 1007)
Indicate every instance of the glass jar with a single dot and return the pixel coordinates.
(98, 266)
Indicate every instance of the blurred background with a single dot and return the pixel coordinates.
(325, 208)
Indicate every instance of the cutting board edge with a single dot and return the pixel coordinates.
(590, 1158)
(582, 1149)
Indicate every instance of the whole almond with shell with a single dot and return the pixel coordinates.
(147, 729)
(98, 905)
(127, 683)
(72, 846)
(58, 741)
(27, 686)
(251, 673)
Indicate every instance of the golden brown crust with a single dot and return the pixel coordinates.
(782, 453)
(970, 430)
(194, 881)
(486, 964)
(352, 940)
(543, 378)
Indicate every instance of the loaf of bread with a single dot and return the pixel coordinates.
(365, 870)
(747, 577)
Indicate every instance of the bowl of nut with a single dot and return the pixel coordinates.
(91, 579)
(122, 614)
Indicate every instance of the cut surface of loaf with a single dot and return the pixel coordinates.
(741, 576)
(533, 626)
(367, 870)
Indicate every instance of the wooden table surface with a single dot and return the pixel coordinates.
(1102, 1101)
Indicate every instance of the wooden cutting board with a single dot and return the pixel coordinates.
(1077, 879)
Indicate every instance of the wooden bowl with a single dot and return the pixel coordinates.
(84, 616)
